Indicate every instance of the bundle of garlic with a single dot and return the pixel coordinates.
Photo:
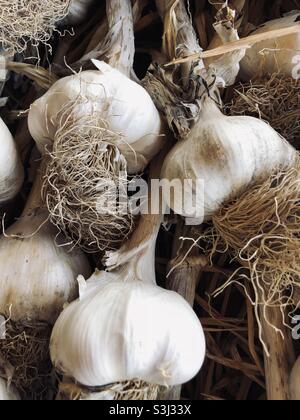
(245, 180)
(154, 337)
(11, 170)
(276, 55)
(295, 382)
(102, 108)
(29, 20)
(7, 393)
(38, 276)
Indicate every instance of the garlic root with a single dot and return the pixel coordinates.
(125, 391)
(83, 199)
(274, 98)
(32, 20)
(265, 238)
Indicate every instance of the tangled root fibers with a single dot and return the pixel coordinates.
(85, 185)
(25, 347)
(29, 20)
(275, 99)
(261, 229)
(131, 390)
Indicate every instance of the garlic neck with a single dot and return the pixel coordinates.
(179, 39)
(209, 109)
(34, 202)
(120, 22)
(227, 67)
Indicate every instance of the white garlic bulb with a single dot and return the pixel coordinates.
(295, 382)
(124, 329)
(7, 393)
(227, 154)
(275, 55)
(78, 10)
(123, 104)
(11, 171)
(37, 275)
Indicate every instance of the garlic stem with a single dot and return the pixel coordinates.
(117, 47)
(97, 39)
(42, 77)
(140, 248)
(228, 66)
(34, 201)
(183, 279)
(281, 357)
(120, 22)
(180, 39)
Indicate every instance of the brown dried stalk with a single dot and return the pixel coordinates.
(179, 37)
(42, 77)
(243, 43)
(228, 66)
(281, 359)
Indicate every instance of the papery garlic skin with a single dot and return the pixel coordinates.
(37, 276)
(122, 330)
(11, 171)
(227, 154)
(295, 382)
(123, 104)
(7, 394)
(274, 55)
(78, 10)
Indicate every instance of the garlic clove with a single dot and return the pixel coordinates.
(125, 106)
(11, 170)
(124, 330)
(7, 393)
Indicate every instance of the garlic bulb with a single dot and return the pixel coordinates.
(274, 55)
(6, 393)
(295, 382)
(227, 154)
(123, 329)
(11, 171)
(37, 273)
(125, 105)
(78, 11)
